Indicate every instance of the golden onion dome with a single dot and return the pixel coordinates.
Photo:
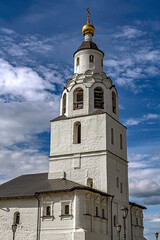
(88, 28)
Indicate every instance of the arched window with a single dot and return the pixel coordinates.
(112, 136)
(48, 210)
(97, 214)
(121, 142)
(77, 133)
(77, 63)
(98, 98)
(17, 217)
(78, 99)
(102, 62)
(117, 182)
(66, 209)
(103, 213)
(121, 188)
(64, 104)
(113, 102)
(90, 182)
(91, 58)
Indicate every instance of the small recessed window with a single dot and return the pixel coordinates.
(117, 182)
(48, 211)
(121, 142)
(64, 104)
(136, 220)
(77, 61)
(77, 133)
(90, 182)
(121, 188)
(103, 213)
(17, 217)
(91, 58)
(112, 136)
(66, 209)
(97, 214)
(102, 62)
(113, 102)
(115, 220)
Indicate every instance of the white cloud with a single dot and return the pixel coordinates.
(144, 118)
(7, 30)
(18, 161)
(129, 32)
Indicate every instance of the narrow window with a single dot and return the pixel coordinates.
(98, 98)
(77, 133)
(121, 188)
(91, 58)
(66, 209)
(103, 213)
(90, 182)
(77, 61)
(136, 220)
(97, 212)
(64, 104)
(102, 62)
(113, 102)
(48, 211)
(117, 182)
(121, 142)
(78, 99)
(112, 136)
(115, 220)
(17, 217)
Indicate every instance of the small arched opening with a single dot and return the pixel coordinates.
(90, 182)
(77, 133)
(64, 104)
(113, 102)
(17, 217)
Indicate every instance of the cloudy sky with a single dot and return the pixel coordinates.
(37, 42)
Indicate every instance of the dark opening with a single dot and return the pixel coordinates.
(67, 209)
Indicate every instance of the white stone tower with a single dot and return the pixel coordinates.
(88, 143)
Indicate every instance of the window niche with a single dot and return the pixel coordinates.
(113, 102)
(98, 98)
(47, 210)
(64, 104)
(117, 182)
(16, 218)
(77, 62)
(78, 99)
(77, 133)
(90, 182)
(91, 58)
(112, 136)
(121, 142)
(121, 187)
(66, 210)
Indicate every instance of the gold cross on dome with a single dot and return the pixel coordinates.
(88, 13)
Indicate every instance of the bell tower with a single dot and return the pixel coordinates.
(88, 143)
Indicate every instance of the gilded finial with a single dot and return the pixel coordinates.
(88, 28)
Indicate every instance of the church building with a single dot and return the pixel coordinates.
(84, 196)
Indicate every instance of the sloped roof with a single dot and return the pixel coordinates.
(28, 185)
(137, 205)
(88, 45)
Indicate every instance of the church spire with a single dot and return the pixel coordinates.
(88, 29)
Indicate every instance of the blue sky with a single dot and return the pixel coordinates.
(37, 42)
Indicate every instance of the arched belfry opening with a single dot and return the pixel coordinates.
(77, 133)
(98, 98)
(78, 99)
(113, 102)
(64, 104)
